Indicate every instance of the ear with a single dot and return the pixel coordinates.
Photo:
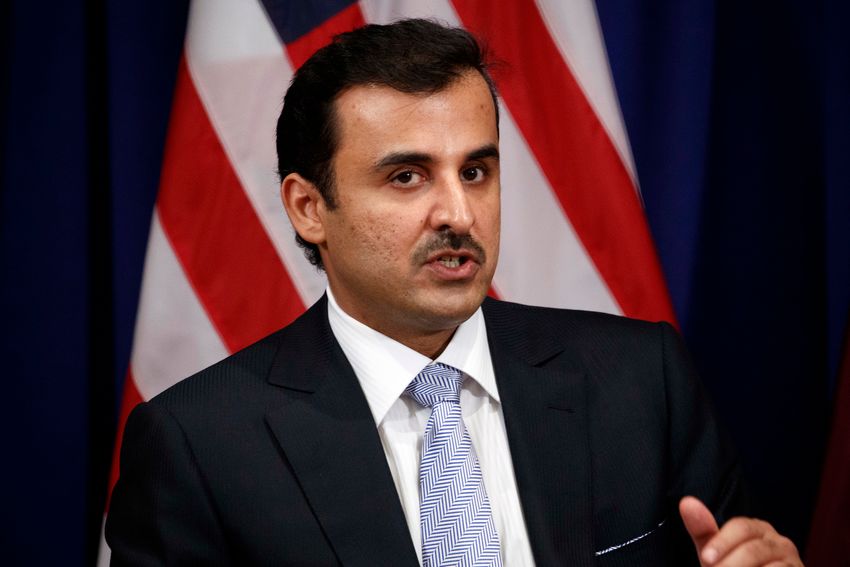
(303, 203)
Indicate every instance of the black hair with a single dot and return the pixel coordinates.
(411, 56)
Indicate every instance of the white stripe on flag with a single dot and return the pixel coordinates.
(104, 554)
(542, 261)
(240, 71)
(574, 27)
(386, 11)
(174, 337)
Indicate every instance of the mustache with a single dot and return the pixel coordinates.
(449, 239)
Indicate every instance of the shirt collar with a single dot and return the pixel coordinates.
(385, 367)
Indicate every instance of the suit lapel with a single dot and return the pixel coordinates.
(329, 438)
(546, 419)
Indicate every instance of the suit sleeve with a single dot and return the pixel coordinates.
(160, 512)
(701, 461)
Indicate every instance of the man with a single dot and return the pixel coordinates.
(405, 419)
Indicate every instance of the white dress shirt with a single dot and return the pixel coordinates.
(385, 367)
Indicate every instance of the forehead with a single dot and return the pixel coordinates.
(373, 119)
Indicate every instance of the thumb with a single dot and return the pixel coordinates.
(699, 521)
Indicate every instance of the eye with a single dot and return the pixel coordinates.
(473, 174)
(407, 178)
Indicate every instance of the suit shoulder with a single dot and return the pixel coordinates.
(551, 321)
(240, 371)
(241, 379)
(607, 345)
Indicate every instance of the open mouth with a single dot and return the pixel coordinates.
(452, 261)
(454, 265)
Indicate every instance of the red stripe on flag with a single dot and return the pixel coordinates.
(829, 534)
(129, 400)
(575, 153)
(302, 48)
(215, 233)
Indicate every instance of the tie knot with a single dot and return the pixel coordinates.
(436, 383)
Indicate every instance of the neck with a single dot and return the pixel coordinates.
(430, 342)
(431, 345)
(426, 342)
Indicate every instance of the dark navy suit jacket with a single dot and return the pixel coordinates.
(271, 457)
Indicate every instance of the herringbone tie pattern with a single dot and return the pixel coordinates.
(455, 517)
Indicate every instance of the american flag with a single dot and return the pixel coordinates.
(222, 268)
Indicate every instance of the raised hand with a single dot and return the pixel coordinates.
(741, 542)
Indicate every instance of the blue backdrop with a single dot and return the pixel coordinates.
(739, 126)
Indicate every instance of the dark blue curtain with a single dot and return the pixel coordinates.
(45, 259)
(739, 125)
(735, 112)
(86, 93)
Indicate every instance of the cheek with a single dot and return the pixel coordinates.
(489, 218)
(378, 240)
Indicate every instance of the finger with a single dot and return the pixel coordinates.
(734, 533)
(773, 549)
(747, 541)
(698, 520)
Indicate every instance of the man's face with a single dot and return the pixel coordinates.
(413, 243)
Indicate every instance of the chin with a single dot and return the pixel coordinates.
(447, 312)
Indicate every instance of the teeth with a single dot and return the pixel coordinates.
(450, 261)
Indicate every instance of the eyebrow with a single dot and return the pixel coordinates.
(399, 158)
(488, 151)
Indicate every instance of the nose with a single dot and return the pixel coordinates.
(452, 208)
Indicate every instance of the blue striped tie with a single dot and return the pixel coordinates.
(457, 525)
